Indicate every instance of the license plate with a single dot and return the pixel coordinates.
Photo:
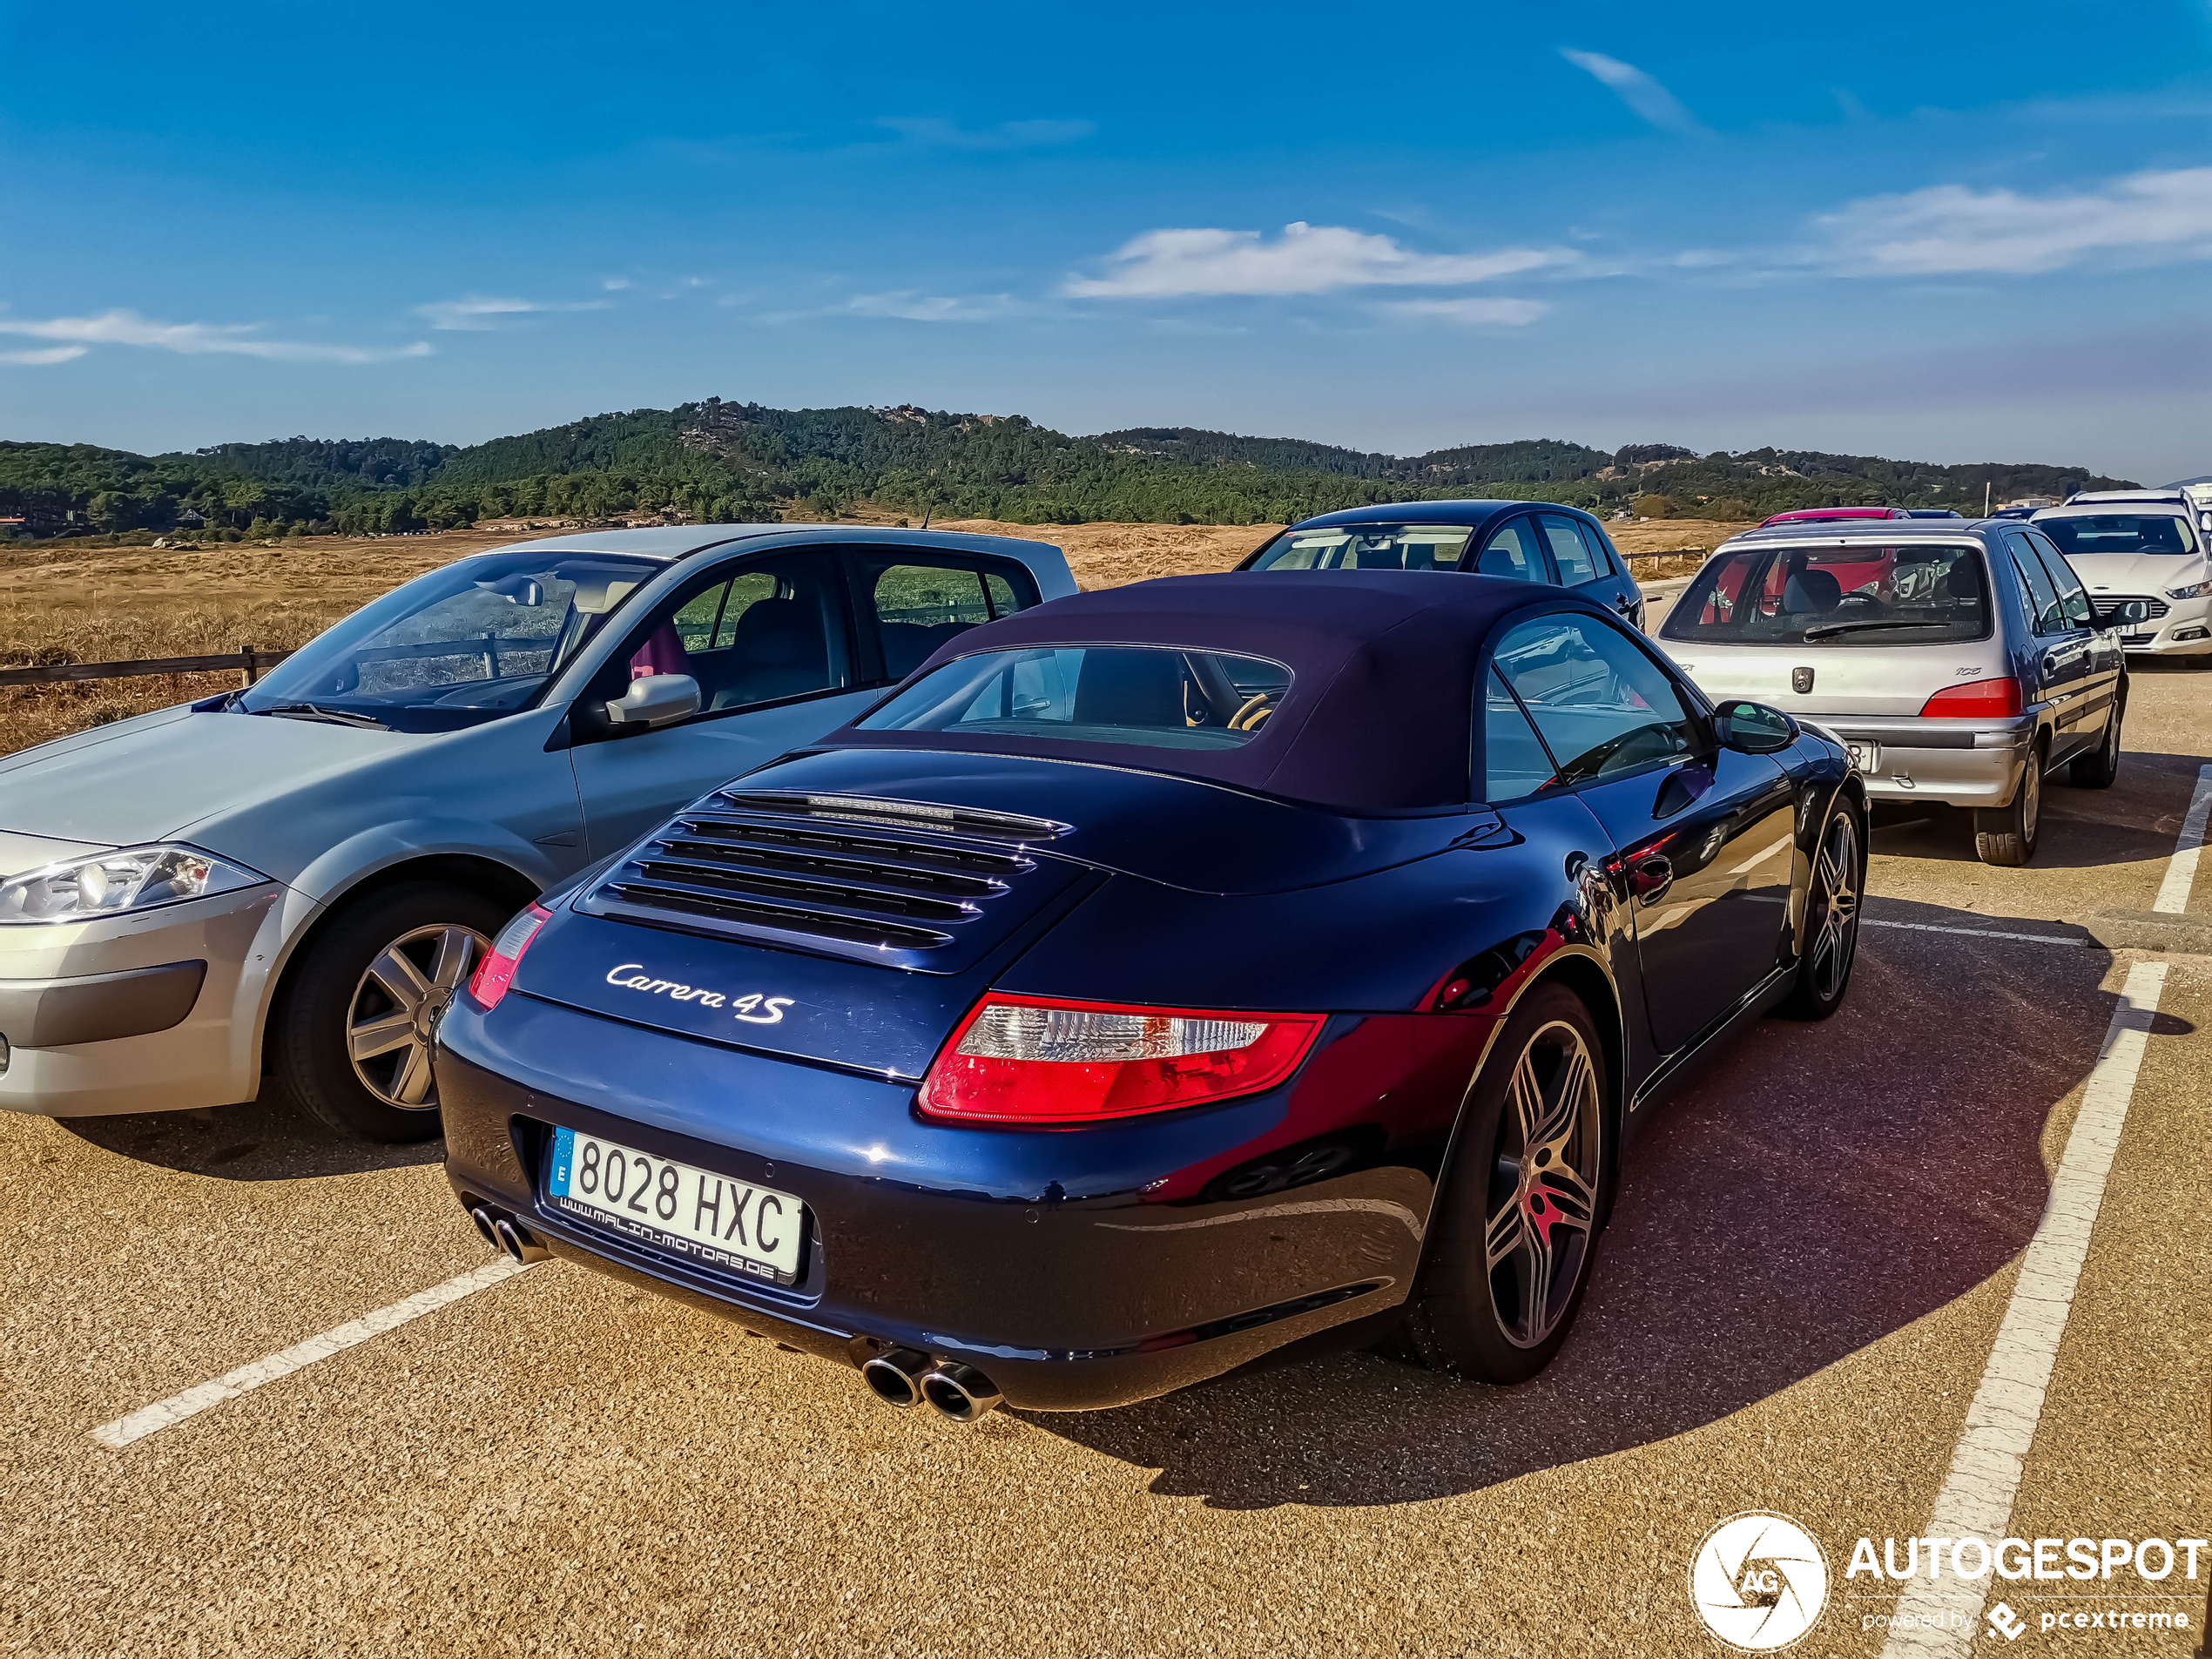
(708, 1218)
(1867, 757)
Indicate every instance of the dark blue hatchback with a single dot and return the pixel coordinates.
(1161, 977)
(1529, 541)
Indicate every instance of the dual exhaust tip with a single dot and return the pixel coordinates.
(508, 1236)
(904, 1378)
(901, 1378)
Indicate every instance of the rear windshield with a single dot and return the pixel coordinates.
(2079, 533)
(1152, 695)
(1849, 594)
(1367, 547)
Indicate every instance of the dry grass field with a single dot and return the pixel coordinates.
(66, 604)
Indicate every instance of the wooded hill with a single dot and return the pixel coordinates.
(718, 462)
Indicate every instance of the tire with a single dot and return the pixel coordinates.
(1498, 1316)
(1831, 912)
(2097, 769)
(382, 967)
(2007, 835)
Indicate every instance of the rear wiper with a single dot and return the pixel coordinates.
(1829, 630)
(316, 711)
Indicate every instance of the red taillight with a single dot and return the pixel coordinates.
(1979, 697)
(1042, 1060)
(496, 972)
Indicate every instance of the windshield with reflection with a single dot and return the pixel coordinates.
(1366, 547)
(2080, 533)
(1853, 593)
(1153, 696)
(470, 643)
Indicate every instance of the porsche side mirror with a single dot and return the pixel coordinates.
(655, 699)
(1755, 729)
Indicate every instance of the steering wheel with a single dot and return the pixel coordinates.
(1255, 709)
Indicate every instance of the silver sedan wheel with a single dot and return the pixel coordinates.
(1836, 912)
(395, 1007)
(1543, 1187)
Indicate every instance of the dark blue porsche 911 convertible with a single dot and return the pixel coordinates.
(1161, 977)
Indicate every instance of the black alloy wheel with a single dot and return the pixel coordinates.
(2007, 835)
(1524, 1200)
(2100, 766)
(1831, 919)
(350, 1032)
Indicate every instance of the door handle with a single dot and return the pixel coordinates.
(1651, 876)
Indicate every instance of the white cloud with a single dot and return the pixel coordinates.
(1511, 314)
(480, 312)
(192, 339)
(910, 305)
(1642, 94)
(614, 284)
(1008, 135)
(1306, 258)
(45, 354)
(2143, 218)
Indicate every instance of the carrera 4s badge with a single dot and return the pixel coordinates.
(753, 1007)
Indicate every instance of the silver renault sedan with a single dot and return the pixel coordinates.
(1960, 661)
(294, 879)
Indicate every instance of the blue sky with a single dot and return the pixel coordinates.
(1971, 231)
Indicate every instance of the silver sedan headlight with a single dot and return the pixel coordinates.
(107, 884)
(2190, 591)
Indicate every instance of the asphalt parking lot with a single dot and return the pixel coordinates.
(1797, 1300)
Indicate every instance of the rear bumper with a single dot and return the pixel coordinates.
(1078, 1269)
(1953, 763)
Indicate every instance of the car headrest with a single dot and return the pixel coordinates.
(1811, 593)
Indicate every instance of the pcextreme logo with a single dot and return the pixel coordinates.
(1758, 1582)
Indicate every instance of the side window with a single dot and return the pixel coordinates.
(916, 604)
(1515, 763)
(1577, 564)
(2046, 615)
(1602, 706)
(1512, 551)
(773, 629)
(2073, 598)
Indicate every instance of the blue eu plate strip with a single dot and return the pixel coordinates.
(556, 1177)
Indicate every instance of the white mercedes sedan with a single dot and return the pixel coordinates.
(293, 880)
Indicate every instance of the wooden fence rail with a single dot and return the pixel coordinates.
(250, 662)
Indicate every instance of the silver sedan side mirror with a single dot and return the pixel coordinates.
(655, 699)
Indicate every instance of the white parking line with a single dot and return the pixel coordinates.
(164, 1413)
(1972, 933)
(2180, 869)
(1976, 1501)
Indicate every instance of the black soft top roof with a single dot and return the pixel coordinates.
(1379, 715)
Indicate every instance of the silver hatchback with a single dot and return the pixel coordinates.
(1960, 661)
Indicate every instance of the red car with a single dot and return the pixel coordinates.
(1835, 512)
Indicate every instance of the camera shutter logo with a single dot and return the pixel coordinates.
(1759, 1582)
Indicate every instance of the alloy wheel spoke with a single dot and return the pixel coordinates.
(1507, 1234)
(368, 1038)
(1572, 1196)
(1539, 1263)
(412, 1086)
(402, 980)
(1527, 1098)
(1563, 1102)
(455, 946)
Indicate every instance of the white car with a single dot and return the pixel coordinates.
(2141, 547)
(295, 878)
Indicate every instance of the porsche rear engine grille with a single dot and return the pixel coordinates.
(799, 879)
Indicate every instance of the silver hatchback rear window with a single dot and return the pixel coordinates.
(1852, 594)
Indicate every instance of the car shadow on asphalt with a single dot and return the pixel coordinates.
(2133, 822)
(262, 1140)
(1817, 1189)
